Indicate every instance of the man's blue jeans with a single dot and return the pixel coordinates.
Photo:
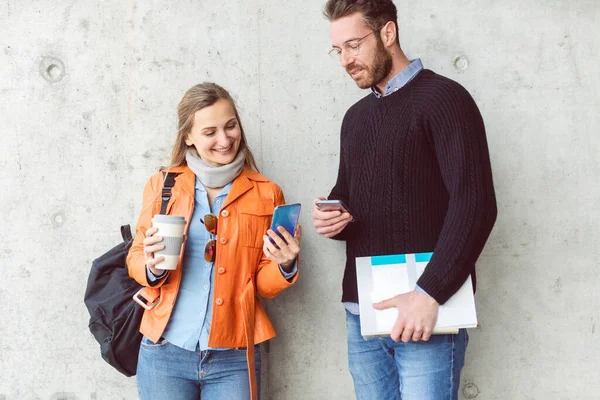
(168, 372)
(386, 370)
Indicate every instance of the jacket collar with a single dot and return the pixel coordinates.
(186, 180)
(242, 184)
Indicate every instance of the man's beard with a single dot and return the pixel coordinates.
(376, 72)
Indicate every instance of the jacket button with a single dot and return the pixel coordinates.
(225, 213)
(223, 240)
(219, 301)
(221, 270)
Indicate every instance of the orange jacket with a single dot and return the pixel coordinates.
(241, 268)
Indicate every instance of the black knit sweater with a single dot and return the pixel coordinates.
(415, 172)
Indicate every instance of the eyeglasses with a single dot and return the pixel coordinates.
(210, 250)
(352, 47)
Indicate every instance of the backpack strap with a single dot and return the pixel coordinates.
(126, 233)
(144, 299)
(166, 192)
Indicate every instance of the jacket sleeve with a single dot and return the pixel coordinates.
(269, 279)
(136, 263)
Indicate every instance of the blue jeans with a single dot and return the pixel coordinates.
(168, 372)
(386, 370)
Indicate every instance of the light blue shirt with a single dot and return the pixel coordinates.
(189, 325)
(401, 78)
(397, 82)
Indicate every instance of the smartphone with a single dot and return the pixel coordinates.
(332, 205)
(286, 215)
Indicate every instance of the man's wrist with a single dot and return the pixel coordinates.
(419, 289)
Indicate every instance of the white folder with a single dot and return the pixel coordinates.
(383, 277)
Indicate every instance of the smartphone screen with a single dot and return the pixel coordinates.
(286, 215)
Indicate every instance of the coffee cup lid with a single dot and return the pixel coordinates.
(168, 219)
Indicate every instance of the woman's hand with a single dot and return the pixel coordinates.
(150, 246)
(283, 253)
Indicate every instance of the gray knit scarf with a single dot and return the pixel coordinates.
(211, 176)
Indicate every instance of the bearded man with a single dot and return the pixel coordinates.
(415, 173)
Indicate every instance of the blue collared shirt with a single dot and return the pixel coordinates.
(401, 78)
(189, 325)
(397, 82)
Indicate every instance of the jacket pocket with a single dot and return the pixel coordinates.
(254, 223)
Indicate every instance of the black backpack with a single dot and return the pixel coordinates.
(114, 317)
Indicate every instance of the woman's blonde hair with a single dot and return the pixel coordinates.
(198, 97)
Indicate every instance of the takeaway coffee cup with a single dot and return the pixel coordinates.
(170, 228)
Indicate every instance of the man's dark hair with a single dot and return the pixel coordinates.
(376, 13)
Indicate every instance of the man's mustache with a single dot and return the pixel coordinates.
(352, 68)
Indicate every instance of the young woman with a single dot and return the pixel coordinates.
(201, 337)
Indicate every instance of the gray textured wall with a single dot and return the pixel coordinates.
(88, 92)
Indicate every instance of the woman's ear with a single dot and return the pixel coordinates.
(187, 140)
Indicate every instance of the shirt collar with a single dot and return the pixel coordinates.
(200, 188)
(401, 78)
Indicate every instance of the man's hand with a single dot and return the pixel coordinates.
(417, 315)
(329, 223)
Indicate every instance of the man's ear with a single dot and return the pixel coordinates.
(388, 33)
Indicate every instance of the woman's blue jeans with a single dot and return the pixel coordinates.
(384, 369)
(168, 372)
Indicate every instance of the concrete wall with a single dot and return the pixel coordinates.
(88, 93)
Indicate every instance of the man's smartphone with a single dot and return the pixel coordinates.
(332, 205)
(286, 215)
